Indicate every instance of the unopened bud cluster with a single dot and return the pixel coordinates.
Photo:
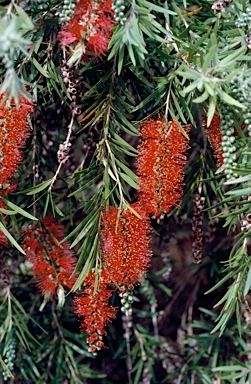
(242, 91)
(228, 142)
(67, 10)
(248, 39)
(244, 19)
(119, 11)
(126, 300)
(9, 359)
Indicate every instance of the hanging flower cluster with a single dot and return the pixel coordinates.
(94, 308)
(52, 263)
(214, 135)
(126, 251)
(160, 166)
(14, 130)
(125, 233)
(217, 140)
(89, 27)
(125, 244)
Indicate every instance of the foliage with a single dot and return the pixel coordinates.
(90, 92)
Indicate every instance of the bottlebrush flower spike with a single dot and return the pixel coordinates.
(89, 27)
(160, 165)
(214, 135)
(14, 131)
(125, 245)
(94, 307)
(52, 264)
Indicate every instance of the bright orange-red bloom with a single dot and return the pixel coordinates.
(14, 130)
(94, 308)
(214, 135)
(89, 27)
(52, 264)
(160, 166)
(125, 244)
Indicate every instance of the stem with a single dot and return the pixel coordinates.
(168, 99)
(127, 324)
(141, 344)
(9, 9)
(65, 144)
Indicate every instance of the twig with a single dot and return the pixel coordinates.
(141, 344)
(127, 324)
(63, 152)
(9, 9)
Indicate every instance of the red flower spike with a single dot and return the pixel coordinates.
(160, 166)
(52, 265)
(89, 27)
(125, 244)
(94, 307)
(13, 133)
(214, 135)
(3, 240)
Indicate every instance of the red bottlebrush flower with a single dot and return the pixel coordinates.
(3, 239)
(14, 131)
(94, 307)
(214, 135)
(52, 264)
(125, 244)
(160, 166)
(89, 27)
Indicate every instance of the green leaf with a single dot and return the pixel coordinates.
(19, 210)
(121, 59)
(229, 368)
(129, 180)
(201, 98)
(149, 98)
(208, 58)
(127, 170)
(211, 110)
(39, 67)
(239, 192)
(231, 58)
(131, 54)
(222, 281)
(24, 21)
(11, 238)
(38, 188)
(156, 8)
(230, 100)
(238, 180)
(7, 211)
(248, 282)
